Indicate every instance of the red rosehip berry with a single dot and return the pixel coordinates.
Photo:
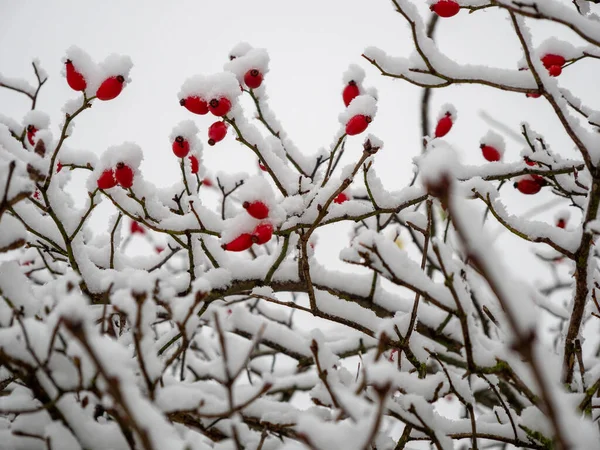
(219, 107)
(216, 132)
(261, 166)
(357, 124)
(75, 79)
(445, 8)
(124, 175)
(239, 244)
(528, 161)
(350, 92)
(107, 180)
(37, 194)
(443, 126)
(59, 167)
(341, 198)
(554, 71)
(533, 95)
(181, 147)
(561, 223)
(551, 59)
(529, 186)
(31, 130)
(490, 153)
(257, 209)
(194, 104)
(206, 182)
(159, 249)
(253, 78)
(262, 233)
(194, 164)
(136, 228)
(110, 88)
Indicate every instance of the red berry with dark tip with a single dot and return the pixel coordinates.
(262, 233)
(561, 223)
(341, 198)
(528, 186)
(31, 130)
(75, 79)
(181, 147)
(350, 92)
(137, 228)
(357, 124)
(253, 78)
(443, 126)
(194, 104)
(59, 167)
(194, 164)
(257, 209)
(445, 8)
(219, 107)
(490, 153)
(528, 161)
(551, 59)
(239, 244)
(107, 180)
(216, 132)
(110, 88)
(554, 71)
(124, 175)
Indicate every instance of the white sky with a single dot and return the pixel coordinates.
(310, 43)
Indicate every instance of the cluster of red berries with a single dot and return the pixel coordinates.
(445, 8)
(553, 64)
(262, 233)
(358, 123)
(217, 106)
(122, 175)
(108, 90)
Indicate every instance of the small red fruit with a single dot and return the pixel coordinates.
(75, 79)
(262, 166)
(219, 107)
(194, 163)
(262, 233)
(533, 95)
(257, 209)
(253, 78)
(443, 126)
(159, 249)
(550, 60)
(216, 132)
(31, 130)
(206, 182)
(37, 194)
(490, 153)
(181, 147)
(350, 92)
(445, 8)
(195, 105)
(107, 180)
(528, 161)
(554, 71)
(561, 223)
(341, 198)
(239, 244)
(357, 124)
(528, 186)
(59, 167)
(110, 88)
(136, 228)
(124, 175)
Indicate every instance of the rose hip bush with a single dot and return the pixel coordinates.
(198, 346)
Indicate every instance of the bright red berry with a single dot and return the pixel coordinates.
(253, 78)
(533, 95)
(219, 107)
(194, 163)
(262, 233)
(528, 161)
(107, 180)
(561, 223)
(216, 132)
(551, 59)
(554, 71)
(445, 8)
(124, 175)
(136, 228)
(490, 153)
(59, 167)
(262, 166)
(181, 147)
(350, 92)
(528, 186)
(341, 198)
(195, 105)
(74, 78)
(31, 130)
(357, 124)
(239, 244)
(443, 126)
(257, 209)
(206, 182)
(110, 88)
(37, 194)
